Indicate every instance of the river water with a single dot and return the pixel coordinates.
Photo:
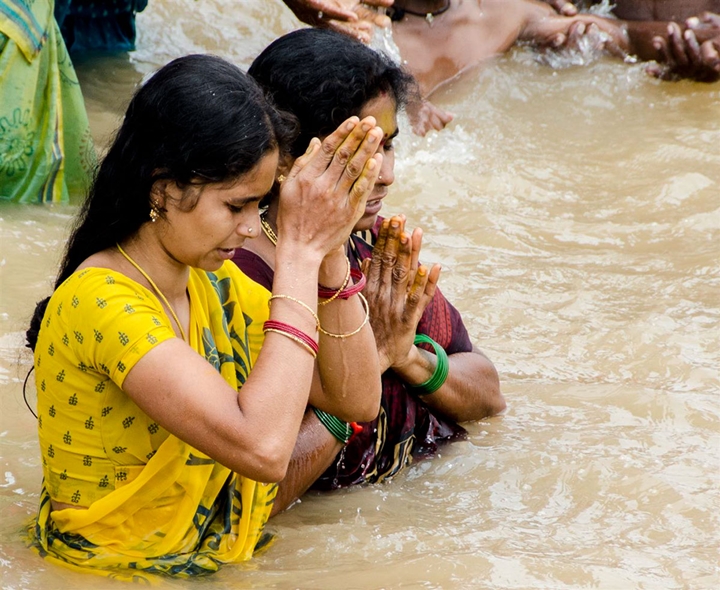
(576, 213)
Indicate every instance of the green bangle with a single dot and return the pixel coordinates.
(339, 429)
(442, 368)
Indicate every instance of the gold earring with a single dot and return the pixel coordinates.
(281, 178)
(154, 212)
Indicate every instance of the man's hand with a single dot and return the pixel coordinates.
(693, 53)
(351, 17)
(562, 7)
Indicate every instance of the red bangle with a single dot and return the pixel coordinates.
(292, 332)
(347, 292)
(356, 429)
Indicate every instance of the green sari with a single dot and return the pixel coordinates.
(46, 151)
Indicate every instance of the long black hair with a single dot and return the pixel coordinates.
(197, 120)
(323, 77)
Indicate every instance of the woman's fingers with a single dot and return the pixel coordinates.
(373, 275)
(401, 271)
(361, 189)
(304, 160)
(421, 291)
(355, 153)
(389, 253)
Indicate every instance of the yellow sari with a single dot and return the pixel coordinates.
(178, 512)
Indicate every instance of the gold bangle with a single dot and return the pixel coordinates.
(295, 338)
(302, 303)
(365, 321)
(341, 289)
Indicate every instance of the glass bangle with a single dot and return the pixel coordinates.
(442, 368)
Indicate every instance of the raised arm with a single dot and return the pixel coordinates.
(253, 431)
(347, 352)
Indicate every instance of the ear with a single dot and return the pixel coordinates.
(160, 192)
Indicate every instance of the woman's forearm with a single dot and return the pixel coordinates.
(348, 366)
(314, 452)
(471, 390)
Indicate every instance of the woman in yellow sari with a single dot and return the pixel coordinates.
(163, 427)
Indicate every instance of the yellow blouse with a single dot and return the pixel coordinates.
(151, 501)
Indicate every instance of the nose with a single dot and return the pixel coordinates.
(387, 170)
(249, 225)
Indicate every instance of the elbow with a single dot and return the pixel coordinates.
(368, 413)
(494, 400)
(371, 404)
(268, 463)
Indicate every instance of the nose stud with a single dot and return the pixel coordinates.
(250, 230)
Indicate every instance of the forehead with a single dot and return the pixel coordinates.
(255, 182)
(384, 109)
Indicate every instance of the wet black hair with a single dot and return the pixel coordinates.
(197, 120)
(323, 77)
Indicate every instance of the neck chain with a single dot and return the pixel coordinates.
(267, 229)
(397, 14)
(155, 287)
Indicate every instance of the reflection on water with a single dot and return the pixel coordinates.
(576, 216)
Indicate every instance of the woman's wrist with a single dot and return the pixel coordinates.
(333, 268)
(412, 366)
(296, 253)
(422, 369)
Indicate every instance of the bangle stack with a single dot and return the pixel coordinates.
(442, 368)
(332, 294)
(294, 334)
(343, 431)
(343, 292)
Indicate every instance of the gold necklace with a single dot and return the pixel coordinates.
(267, 229)
(155, 287)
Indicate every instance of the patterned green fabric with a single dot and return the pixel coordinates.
(46, 151)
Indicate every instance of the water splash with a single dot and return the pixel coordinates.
(382, 41)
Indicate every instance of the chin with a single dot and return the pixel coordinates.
(366, 223)
(211, 265)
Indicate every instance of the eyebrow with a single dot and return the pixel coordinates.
(245, 200)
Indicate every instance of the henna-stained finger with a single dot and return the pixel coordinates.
(401, 270)
(389, 253)
(362, 187)
(356, 161)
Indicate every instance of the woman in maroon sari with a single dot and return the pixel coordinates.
(322, 77)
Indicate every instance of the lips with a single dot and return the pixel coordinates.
(373, 206)
(226, 253)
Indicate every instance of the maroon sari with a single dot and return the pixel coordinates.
(405, 428)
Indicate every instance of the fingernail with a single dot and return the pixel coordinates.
(657, 45)
(394, 224)
(693, 21)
